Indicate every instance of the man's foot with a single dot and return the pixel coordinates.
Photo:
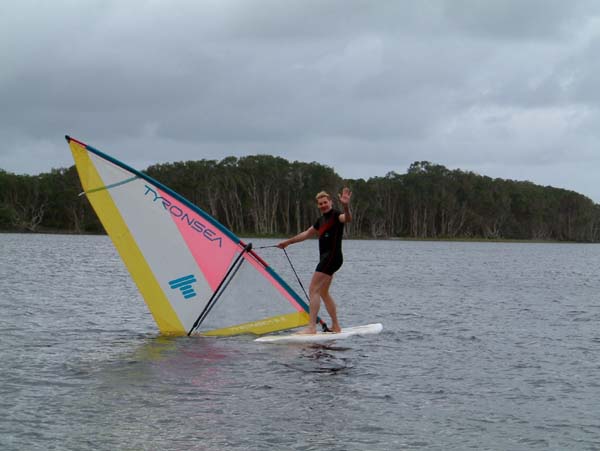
(308, 331)
(335, 328)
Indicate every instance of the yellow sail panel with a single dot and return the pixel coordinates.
(114, 224)
(263, 326)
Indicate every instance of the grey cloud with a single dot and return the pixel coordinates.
(365, 87)
(518, 20)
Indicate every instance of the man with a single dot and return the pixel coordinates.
(330, 228)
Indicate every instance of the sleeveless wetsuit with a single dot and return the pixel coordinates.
(330, 231)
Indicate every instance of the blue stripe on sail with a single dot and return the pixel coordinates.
(113, 185)
(183, 283)
(187, 278)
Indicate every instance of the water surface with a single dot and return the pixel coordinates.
(485, 346)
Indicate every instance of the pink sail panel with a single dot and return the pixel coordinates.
(212, 250)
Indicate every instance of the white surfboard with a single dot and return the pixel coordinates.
(320, 337)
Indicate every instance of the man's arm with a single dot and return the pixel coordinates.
(346, 216)
(300, 237)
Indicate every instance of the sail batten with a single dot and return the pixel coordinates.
(178, 255)
(113, 185)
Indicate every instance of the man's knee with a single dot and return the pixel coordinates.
(315, 288)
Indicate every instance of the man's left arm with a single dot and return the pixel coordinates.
(346, 216)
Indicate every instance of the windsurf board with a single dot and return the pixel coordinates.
(320, 337)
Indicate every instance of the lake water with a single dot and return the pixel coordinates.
(485, 346)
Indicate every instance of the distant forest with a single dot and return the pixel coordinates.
(263, 195)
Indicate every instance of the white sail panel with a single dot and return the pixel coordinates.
(159, 240)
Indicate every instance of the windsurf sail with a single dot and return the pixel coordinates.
(193, 273)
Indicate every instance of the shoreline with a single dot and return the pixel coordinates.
(279, 237)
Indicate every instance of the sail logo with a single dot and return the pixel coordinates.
(190, 220)
(184, 284)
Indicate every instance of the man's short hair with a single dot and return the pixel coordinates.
(322, 194)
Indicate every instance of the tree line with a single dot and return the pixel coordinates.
(265, 195)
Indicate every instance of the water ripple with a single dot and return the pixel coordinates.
(485, 346)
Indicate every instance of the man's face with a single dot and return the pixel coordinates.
(324, 204)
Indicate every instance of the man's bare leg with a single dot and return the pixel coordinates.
(330, 306)
(319, 280)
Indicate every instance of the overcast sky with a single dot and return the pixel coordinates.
(504, 88)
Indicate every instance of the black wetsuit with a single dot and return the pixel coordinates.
(330, 242)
